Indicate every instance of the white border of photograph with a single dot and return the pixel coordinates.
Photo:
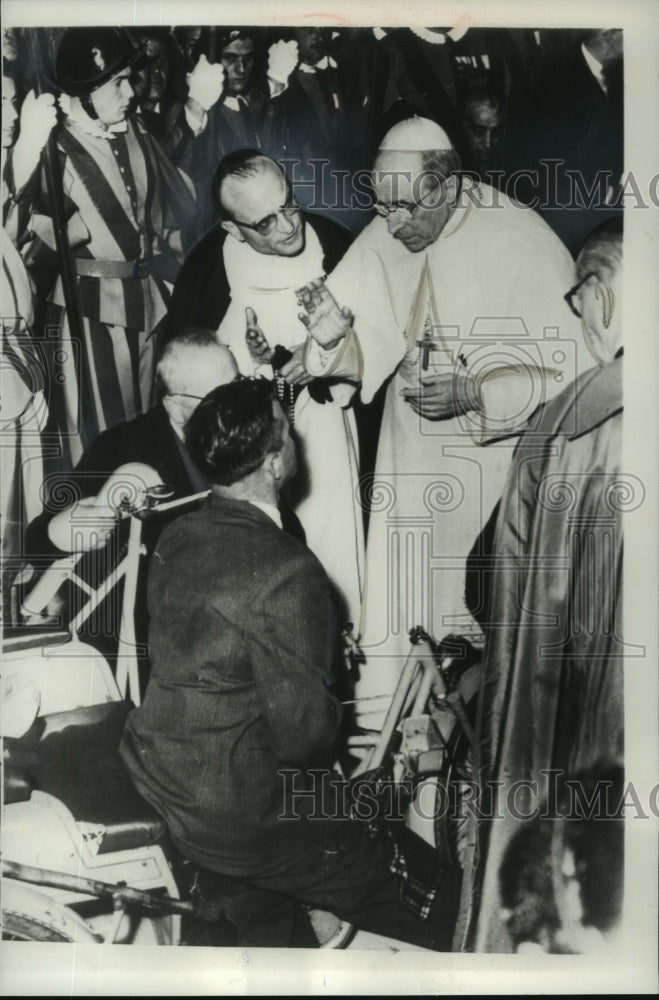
(56, 970)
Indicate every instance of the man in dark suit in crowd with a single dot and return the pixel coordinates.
(575, 118)
(241, 690)
(261, 105)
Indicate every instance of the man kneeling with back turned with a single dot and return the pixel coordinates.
(242, 640)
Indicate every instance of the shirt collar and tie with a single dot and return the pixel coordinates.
(325, 63)
(239, 103)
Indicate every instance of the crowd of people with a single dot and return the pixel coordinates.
(363, 287)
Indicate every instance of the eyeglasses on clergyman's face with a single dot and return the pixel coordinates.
(397, 206)
(385, 209)
(267, 225)
(572, 297)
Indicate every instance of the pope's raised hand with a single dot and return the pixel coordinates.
(257, 343)
(324, 320)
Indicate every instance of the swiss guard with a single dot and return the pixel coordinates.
(123, 209)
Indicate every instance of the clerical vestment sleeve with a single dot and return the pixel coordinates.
(545, 349)
(343, 361)
(509, 398)
(362, 282)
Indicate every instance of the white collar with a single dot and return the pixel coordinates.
(469, 192)
(595, 66)
(235, 103)
(439, 37)
(268, 509)
(323, 63)
(249, 271)
(74, 111)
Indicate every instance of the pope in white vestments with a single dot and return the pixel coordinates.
(459, 300)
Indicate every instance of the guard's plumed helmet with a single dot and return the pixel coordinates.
(89, 57)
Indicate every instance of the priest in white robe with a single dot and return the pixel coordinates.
(455, 293)
(269, 251)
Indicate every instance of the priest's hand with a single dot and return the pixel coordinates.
(259, 349)
(294, 370)
(440, 397)
(324, 320)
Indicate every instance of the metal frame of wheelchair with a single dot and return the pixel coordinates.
(125, 881)
(433, 715)
(112, 897)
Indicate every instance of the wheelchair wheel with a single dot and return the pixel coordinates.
(331, 931)
(28, 915)
(22, 927)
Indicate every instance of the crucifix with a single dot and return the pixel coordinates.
(424, 330)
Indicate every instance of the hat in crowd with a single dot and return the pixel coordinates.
(89, 57)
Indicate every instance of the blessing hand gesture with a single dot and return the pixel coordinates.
(324, 320)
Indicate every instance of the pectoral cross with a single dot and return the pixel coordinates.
(428, 343)
(424, 311)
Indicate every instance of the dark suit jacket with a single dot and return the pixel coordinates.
(571, 120)
(201, 294)
(285, 127)
(149, 438)
(242, 641)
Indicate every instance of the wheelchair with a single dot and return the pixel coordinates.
(75, 826)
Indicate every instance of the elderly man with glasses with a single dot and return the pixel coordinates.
(190, 366)
(453, 293)
(554, 655)
(240, 279)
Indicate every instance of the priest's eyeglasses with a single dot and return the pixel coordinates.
(268, 224)
(396, 206)
(572, 297)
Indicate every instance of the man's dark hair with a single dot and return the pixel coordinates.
(240, 163)
(480, 94)
(244, 34)
(233, 430)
